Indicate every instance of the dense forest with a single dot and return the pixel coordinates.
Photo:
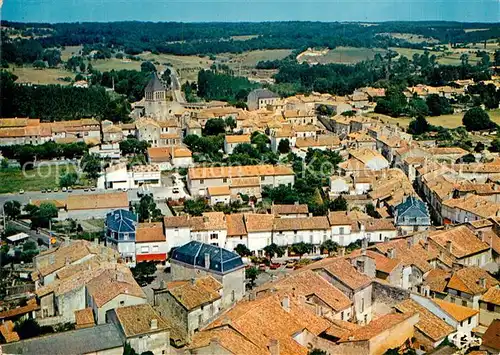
(56, 102)
(213, 38)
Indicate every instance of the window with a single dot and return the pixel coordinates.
(156, 248)
(224, 180)
(362, 305)
(122, 303)
(262, 178)
(341, 230)
(469, 321)
(464, 303)
(145, 249)
(200, 319)
(214, 236)
(125, 236)
(202, 181)
(360, 264)
(233, 296)
(490, 307)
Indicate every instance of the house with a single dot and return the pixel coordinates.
(412, 215)
(387, 269)
(259, 99)
(170, 157)
(300, 117)
(113, 288)
(178, 230)
(193, 128)
(430, 331)
(322, 296)
(20, 313)
(142, 327)
(311, 230)
(230, 142)
(259, 231)
(210, 228)
(119, 177)
(7, 332)
(150, 243)
(196, 259)
(148, 130)
(190, 304)
(84, 318)
(104, 339)
(274, 324)
(90, 206)
(491, 338)
(219, 194)
(462, 245)
(50, 263)
(341, 125)
(363, 160)
(489, 306)
(467, 285)
(120, 228)
(290, 211)
(320, 142)
(353, 283)
(390, 331)
(200, 178)
(469, 208)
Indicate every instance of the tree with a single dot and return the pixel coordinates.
(479, 147)
(230, 123)
(329, 245)
(273, 249)
(12, 209)
(68, 179)
(284, 146)
(146, 209)
(317, 352)
(39, 64)
(282, 194)
(301, 248)
(476, 119)
(143, 271)
(438, 105)
(339, 204)
(417, 107)
(466, 159)
(371, 211)
(251, 273)
(419, 126)
(91, 165)
(242, 250)
(495, 146)
(148, 67)
(214, 127)
(195, 207)
(41, 216)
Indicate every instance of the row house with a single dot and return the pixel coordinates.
(299, 117)
(292, 133)
(118, 177)
(158, 133)
(363, 160)
(170, 157)
(199, 179)
(468, 208)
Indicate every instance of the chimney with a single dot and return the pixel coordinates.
(119, 277)
(193, 281)
(285, 303)
(153, 324)
(252, 296)
(274, 347)
(296, 203)
(163, 285)
(410, 242)
(449, 246)
(67, 261)
(364, 243)
(480, 235)
(391, 253)
(207, 260)
(426, 245)
(96, 241)
(341, 251)
(52, 259)
(318, 310)
(310, 214)
(482, 282)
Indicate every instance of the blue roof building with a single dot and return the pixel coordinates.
(120, 228)
(207, 257)
(412, 215)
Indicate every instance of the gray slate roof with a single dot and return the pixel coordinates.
(263, 94)
(221, 260)
(412, 207)
(80, 341)
(155, 84)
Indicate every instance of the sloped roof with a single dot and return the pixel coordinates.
(342, 270)
(193, 294)
(491, 337)
(136, 320)
(412, 207)
(221, 260)
(122, 221)
(492, 296)
(468, 280)
(155, 84)
(264, 94)
(464, 241)
(458, 312)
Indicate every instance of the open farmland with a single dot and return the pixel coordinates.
(41, 76)
(411, 38)
(70, 51)
(340, 55)
(251, 58)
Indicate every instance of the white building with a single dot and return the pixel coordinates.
(118, 177)
(230, 142)
(150, 243)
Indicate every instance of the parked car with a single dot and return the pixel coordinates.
(274, 266)
(70, 189)
(49, 190)
(56, 189)
(43, 191)
(92, 188)
(86, 189)
(64, 189)
(21, 192)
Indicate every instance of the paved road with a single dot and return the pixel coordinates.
(176, 86)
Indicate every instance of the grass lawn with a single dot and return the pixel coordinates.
(43, 177)
(344, 55)
(69, 52)
(41, 76)
(117, 64)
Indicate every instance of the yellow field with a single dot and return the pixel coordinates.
(41, 76)
(69, 52)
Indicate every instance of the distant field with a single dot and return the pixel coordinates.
(69, 52)
(447, 121)
(251, 58)
(44, 177)
(43, 76)
(243, 38)
(411, 38)
(467, 30)
(343, 55)
(116, 64)
(187, 66)
(442, 58)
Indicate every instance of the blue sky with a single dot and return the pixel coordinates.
(250, 10)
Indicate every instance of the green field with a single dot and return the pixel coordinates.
(43, 177)
(41, 76)
(343, 55)
(442, 57)
(411, 38)
(115, 64)
(251, 58)
(69, 52)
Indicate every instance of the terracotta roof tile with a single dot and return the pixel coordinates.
(259, 222)
(238, 171)
(468, 280)
(136, 320)
(219, 190)
(437, 279)
(195, 294)
(458, 312)
(176, 222)
(229, 339)
(342, 270)
(289, 209)
(304, 223)
(97, 201)
(235, 225)
(464, 241)
(84, 318)
(149, 232)
(429, 324)
(243, 138)
(377, 326)
(491, 337)
(492, 296)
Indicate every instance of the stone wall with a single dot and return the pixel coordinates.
(387, 294)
